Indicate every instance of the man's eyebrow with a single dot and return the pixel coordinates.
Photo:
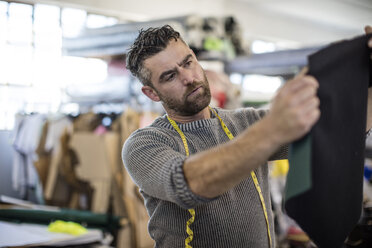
(164, 74)
(185, 59)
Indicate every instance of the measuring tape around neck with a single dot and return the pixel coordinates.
(253, 175)
(191, 210)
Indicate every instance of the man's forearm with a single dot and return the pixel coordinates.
(294, 110)
(211, 173)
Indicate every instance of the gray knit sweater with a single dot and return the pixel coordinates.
(154, 157)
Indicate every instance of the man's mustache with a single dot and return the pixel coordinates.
(193, 87)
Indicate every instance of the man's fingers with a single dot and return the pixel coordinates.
(299, 83)
(310, 105)
(303, 72)
(304, 95)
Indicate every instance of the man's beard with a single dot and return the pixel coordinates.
(186, 106)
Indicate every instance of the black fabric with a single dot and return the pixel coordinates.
(330, 209)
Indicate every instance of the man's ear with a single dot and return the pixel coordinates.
(150, 93)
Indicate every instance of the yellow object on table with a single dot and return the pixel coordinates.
(69, 227)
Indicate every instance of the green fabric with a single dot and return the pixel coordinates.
(299, 176)
(212, 43)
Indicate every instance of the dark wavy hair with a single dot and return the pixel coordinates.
(148, 43)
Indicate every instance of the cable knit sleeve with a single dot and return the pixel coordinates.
(155, 163)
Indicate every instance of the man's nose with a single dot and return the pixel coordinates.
(187, 77)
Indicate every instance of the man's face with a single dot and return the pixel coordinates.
(178, 80)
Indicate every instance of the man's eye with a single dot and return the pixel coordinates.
(188, 63)
(170, 77)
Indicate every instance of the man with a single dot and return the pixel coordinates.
(202, 171)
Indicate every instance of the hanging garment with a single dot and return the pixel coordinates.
(324, 188)
(26, 136)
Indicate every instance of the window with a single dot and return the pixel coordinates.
(98, 21)
(259, 46)
(34, 73)
(258, 90)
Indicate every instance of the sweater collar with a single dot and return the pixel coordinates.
(162, 121)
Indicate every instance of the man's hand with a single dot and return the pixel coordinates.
(295, 108)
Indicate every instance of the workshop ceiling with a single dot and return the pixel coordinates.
(289, 23)
(303, 22)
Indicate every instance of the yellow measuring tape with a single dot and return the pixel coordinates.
(253, 175)
(191, 210)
